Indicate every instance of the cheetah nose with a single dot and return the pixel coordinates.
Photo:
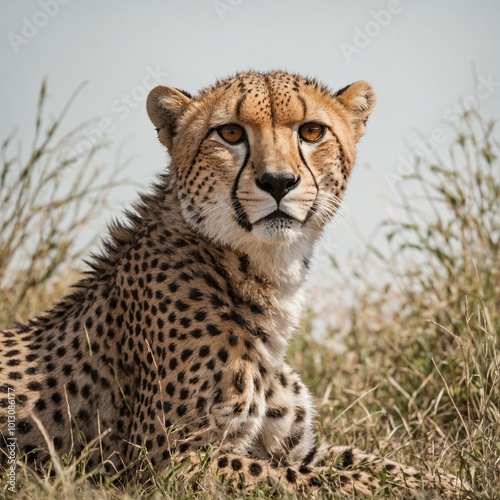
(277, 184)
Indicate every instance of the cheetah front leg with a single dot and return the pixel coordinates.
(237, 406)
(286, 434)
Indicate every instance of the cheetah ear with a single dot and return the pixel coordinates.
(359, 100)
(165, 106)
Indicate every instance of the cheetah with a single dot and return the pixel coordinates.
(176, 339)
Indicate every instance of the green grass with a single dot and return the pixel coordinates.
(416, 376)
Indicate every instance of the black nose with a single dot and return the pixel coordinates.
(277, 184)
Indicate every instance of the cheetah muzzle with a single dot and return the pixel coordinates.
(176, 338)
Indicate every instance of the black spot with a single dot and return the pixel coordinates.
(184, 447)
(222, 462)
(211, 282)
(310, 456)
(347, 458)
(196, 333)
(223, 355)
(181, 306)
(200, 316)
(239, 381)
(255, 469)
(213, 330)
(291, 476)
(344, 479)
(35, 386)
(181, 410)
(236, 464)
(56, 398)
(72, 388)
(300, 414)
(294, 439)
(216, 301)
(195, 294)
(315, 482)
(83, 415)
(58, 416)
(276, 412)
(24, 427)
(40, 405)
(218, 396)
(186, 354)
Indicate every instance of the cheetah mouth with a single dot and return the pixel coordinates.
(277, 216)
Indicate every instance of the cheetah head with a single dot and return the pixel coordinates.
(261, 158)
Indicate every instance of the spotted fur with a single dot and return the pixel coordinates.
(177, 337)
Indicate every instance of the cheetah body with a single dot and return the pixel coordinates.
(177, 337)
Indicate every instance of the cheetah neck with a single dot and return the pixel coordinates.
(280, 265)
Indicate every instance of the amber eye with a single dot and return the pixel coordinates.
(311, 132)
(231, 133)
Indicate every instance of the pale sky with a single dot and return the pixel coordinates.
(425, 59)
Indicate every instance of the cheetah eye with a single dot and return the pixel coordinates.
(311, 132)
(231, 133)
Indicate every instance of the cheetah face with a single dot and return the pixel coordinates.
(261, 157)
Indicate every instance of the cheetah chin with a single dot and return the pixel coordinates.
(176, 339)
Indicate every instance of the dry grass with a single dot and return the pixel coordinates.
(418, 375)
(47, 200)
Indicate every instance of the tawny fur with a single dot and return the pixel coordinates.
(177, 337)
